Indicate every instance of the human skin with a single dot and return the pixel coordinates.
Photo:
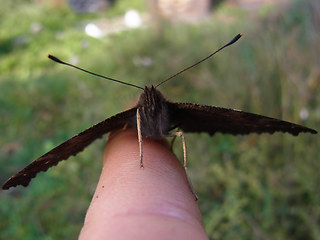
(153, 202)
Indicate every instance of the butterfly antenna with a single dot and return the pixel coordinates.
(95, 74)
(236, 38)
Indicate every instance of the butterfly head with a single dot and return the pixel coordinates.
(151, 99)
(153, 112)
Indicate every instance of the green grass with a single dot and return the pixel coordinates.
(250, 187)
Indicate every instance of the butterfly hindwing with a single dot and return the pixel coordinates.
(199, 118)
(70, 147)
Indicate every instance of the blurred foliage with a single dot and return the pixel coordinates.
(250, 187)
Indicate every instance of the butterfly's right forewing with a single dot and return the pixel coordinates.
(70, 147)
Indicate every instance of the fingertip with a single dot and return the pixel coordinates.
(160, 189)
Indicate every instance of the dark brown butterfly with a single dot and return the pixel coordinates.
(155, 117)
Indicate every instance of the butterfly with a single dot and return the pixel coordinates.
(156, 117)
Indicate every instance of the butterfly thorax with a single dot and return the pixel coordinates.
(153, 111)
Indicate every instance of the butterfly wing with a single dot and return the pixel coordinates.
(70, 147)
(199, 118)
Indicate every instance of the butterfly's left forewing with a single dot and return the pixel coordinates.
(199, 118)
(70, 147)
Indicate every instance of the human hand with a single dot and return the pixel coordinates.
(150, 203)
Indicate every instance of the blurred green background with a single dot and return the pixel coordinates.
(250, 187)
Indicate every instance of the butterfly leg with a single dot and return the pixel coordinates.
(139, 137)
(181, 134)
